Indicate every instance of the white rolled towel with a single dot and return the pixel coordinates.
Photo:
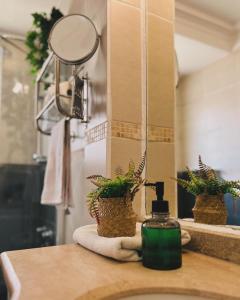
(119, 248)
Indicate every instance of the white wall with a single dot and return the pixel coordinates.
(88, 159)
(208, 112)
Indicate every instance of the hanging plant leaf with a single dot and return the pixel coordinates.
(37, 38)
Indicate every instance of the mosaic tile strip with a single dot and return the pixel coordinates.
(160, 134)
(97, 133)
(126, 130)
(129, 130)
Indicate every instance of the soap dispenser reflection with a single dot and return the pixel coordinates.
(161, 235)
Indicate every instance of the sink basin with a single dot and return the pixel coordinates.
(163, 297)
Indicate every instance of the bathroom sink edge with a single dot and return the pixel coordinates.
(121, 290)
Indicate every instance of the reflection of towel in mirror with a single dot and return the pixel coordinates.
(65, 88)
(120, 248)
(52, 114)
(57, 183)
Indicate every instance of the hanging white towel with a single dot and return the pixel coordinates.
(119, 248)
(57, 180)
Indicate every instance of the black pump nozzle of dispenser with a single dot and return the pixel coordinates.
(159, 186)
(159, 205)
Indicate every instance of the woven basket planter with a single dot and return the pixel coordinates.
(210, 210)
(116, 217)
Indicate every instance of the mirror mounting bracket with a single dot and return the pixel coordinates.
(80, 84)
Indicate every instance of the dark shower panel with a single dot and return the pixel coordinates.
(21, 213)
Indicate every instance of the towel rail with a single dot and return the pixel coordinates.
(66, 52)
(73, 106)
(40, 118)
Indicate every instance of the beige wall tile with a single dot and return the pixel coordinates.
(161, 97)
(163, 8)
(161, 167)
(125, 78)
(122, 150)
(136, 3)
(160, 69)
(125, 62)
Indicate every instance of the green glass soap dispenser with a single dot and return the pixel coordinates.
(161, 236)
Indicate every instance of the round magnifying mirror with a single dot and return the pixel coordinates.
(74, 39)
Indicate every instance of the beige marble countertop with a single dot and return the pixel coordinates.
(72, 272)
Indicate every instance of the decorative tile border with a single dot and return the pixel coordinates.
(127, 130)
(97, 133)
(160, 134)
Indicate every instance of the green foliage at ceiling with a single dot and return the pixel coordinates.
(37, 38)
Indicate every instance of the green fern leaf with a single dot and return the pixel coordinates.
(182, 182)
(92, 202)
(141, 166)
(205, 171)
(95, 177)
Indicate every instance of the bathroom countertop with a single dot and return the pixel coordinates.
(73, 272)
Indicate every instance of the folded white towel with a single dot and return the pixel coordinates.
(120, 248)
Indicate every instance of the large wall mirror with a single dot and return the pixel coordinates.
(160, 100)
(207, 100)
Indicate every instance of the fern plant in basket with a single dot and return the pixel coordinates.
(209, 190)
(37, 38)
(111, 202)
